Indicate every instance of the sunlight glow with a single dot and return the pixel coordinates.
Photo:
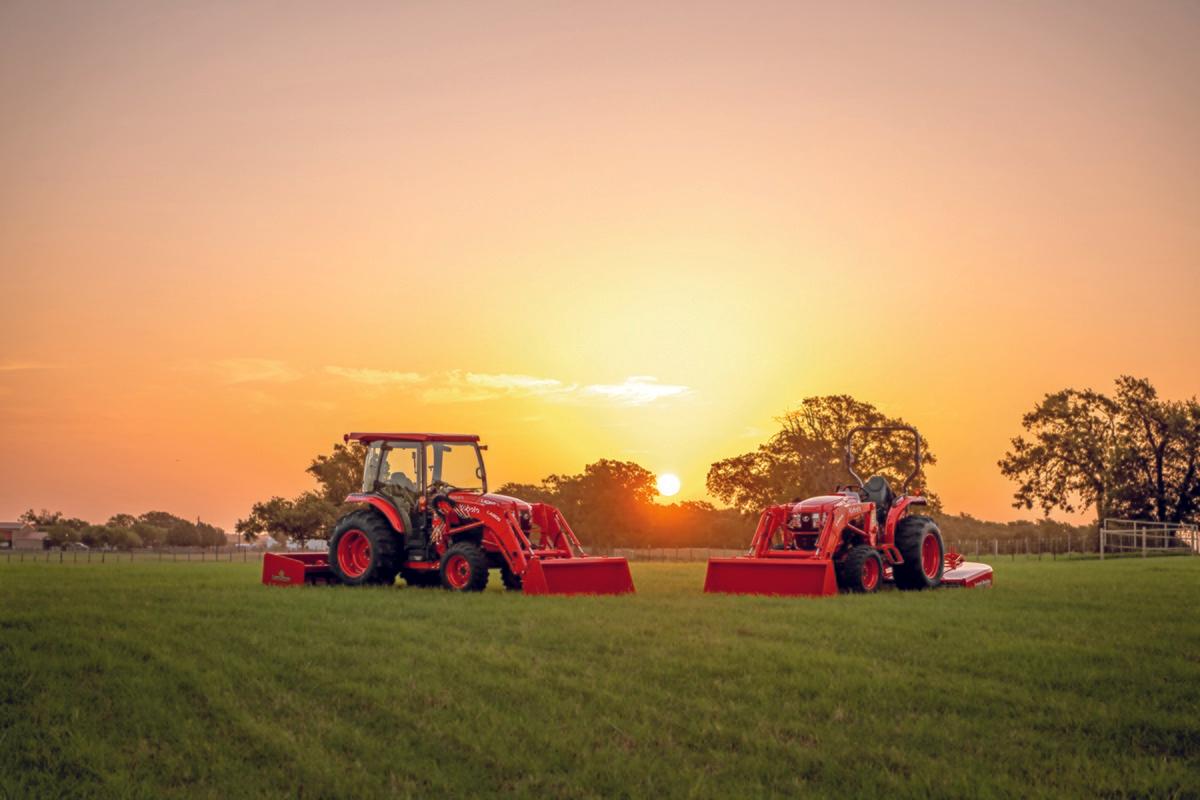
(668, 484)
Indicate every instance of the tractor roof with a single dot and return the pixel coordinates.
(410, 437)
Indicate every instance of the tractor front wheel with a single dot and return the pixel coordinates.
(861, 570)
(464, 568)
(510, 579)
(920, 544)
(364, 550)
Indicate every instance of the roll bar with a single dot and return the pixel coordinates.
(885, 429)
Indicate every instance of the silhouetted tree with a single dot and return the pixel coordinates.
(339, 473)
(1130, 455)
(806, 456)
(309, 516)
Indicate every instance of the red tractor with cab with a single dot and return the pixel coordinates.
(853, 540)
(426, 515)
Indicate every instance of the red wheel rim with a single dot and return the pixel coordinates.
(354, 553)
(931, 556)
(870, 574)
(458, 571)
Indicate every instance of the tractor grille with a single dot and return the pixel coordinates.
(806, 541)
(805, 522)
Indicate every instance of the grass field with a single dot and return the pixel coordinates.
(145, 680)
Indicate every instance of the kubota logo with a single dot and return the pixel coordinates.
(280, 577)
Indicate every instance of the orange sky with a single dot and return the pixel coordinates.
(231, 232)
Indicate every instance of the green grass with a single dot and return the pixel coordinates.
(145, 680)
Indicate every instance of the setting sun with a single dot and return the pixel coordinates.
(668, 484)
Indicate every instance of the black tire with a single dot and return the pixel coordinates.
(421, 578)
(464, 568)
(382, 560)
(510, 579)
(911, 535)
(861, 571)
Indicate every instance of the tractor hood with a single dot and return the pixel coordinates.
(825, 502)
(493, 500)
(504, 500)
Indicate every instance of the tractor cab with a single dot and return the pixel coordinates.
(410, 470)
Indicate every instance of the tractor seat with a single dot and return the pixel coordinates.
(879, 493)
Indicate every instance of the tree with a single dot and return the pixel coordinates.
(1130, 455)
(806, 456)
(39, 519)
(179, 532)
(312, 514)
(45, 519)
(151, 535)
(122, 520)
(309, 516)
(612, 504)
(59, 534)
(341, 472)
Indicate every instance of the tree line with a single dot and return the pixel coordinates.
(125, 531)
(1131, 454)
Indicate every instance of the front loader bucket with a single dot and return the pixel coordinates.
(809, 577)
(585, 575)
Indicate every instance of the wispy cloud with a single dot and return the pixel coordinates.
(457, 386)
(25, 366)
(637, 390)
(474, 387)
(253, 370)
(376, 377)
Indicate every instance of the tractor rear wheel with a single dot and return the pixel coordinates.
(920, 544)
(861, 570)
(364, 550)
(464, 568)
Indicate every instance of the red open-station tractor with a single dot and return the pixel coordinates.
(427, 516)
(852, 540)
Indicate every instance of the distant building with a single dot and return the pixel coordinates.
(19, 536)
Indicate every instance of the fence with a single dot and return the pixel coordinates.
(1116, 537)
(1126, 537)
(98, 556)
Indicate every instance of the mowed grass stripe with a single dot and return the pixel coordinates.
(1067, 678)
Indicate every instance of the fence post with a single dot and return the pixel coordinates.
(1144, 542)
(1101, 542)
